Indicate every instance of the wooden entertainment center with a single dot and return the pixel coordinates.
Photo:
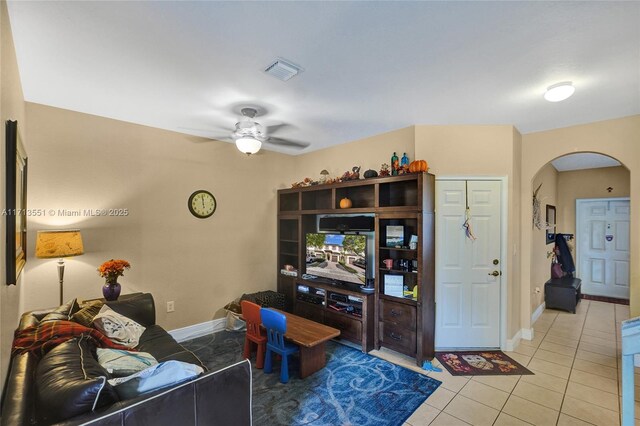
(375, 319)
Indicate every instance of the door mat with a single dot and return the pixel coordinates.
(480, 363)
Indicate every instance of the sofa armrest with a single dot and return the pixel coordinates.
(220, 397)
(18, 395)
(141, 308)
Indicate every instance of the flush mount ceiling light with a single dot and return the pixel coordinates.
(559, 91)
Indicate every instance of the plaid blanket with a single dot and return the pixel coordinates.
(40, 339)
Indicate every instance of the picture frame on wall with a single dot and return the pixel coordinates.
(550, 233)
(16, 203)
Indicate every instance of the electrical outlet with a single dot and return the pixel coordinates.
(171, 306)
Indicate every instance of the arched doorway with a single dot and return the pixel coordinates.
(589, 193)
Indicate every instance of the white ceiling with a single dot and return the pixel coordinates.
(370, 67)
(583, 160)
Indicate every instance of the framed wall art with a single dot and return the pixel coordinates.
(16, 203)
(551, 224)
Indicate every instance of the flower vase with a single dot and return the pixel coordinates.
(111, 290)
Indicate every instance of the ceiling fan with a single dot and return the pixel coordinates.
(249, 135)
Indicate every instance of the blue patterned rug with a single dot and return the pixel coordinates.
(353, 389)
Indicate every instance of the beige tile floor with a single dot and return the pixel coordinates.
(575, 359)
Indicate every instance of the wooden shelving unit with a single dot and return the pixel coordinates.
(392, 320)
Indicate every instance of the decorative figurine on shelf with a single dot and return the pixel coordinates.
(404, 164)
(395, 165)
(418, 166)
(370, 174)
(324, 176)
(384, 170)
(306, 182)
(353, 175)
(345, 203)
(405, 160)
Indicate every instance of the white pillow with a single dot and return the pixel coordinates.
(155, 377)
(118, 328)
(121, 363)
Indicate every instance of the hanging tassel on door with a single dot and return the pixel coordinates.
(467, 215)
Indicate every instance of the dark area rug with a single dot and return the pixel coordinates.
(353, 389)
(480, 363)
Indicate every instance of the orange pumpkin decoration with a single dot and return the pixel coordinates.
(418, 166)
(345, 203)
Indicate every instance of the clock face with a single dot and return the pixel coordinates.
(202, 204)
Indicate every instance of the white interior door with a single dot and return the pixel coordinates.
(467, 292)
(603, 247)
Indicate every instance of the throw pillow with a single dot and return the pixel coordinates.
(63, 312)
(69, 382)
(121, 363)
(85, 315)
(156, 377)
(118, 328)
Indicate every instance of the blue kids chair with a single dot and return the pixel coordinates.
(276, 325)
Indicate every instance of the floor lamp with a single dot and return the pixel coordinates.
(60, 244)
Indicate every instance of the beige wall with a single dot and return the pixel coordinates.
(591, 183)
(368, 153)
(476, 151)
(540, 263)
(11, 108)
(80, 161)
(620, 139)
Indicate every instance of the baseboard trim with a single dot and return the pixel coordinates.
(198, 330)
(513, 343)
(537, 313)
(527, 333)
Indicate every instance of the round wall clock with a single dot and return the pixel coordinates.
(202, 204)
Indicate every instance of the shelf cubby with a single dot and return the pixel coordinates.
(402, 193)
(289, 201)
(320, 199)
(360, 196)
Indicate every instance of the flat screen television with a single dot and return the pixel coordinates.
(337, 257)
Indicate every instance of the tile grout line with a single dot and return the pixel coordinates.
(564, 394)
(531, 359)
(537, 348)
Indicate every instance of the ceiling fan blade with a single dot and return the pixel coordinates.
(276, 127)
(287, 142)
(207, 133)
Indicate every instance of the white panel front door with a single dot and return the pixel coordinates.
(603, 245)
(467, 295)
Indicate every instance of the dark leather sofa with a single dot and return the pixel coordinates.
(221, 397)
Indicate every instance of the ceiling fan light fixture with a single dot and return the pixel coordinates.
(248, 145)
(559, 91)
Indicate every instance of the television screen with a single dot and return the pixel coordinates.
(337, 257)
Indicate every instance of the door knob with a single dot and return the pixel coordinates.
(494, 273)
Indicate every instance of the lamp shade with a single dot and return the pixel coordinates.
(248, 145)
(65, 243)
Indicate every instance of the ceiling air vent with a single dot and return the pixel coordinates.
(282, 69)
